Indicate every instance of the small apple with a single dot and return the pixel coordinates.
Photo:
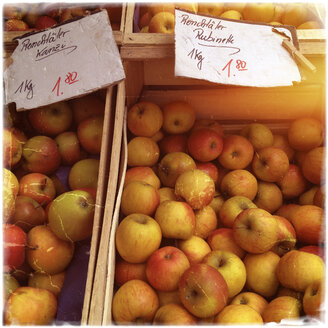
(44, 22)
(206, 221)
(173, 143)
(10, 284)
(125, 271)
(68, 147)
(258, 134)
(287, 210)
(11, 149)
(269, 196)
(163, 22)
(216, 204)
(142, 173)
(314, 298)
(166, 193)
(8, 203)
(314, 164)
(319, 197)
(238, 314)
(195, 248)
(210, 169)
(10, 181)
(173, 314)
(254, 300)
(281, 141)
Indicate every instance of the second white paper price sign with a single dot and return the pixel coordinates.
(232, 52)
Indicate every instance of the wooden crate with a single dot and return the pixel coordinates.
(233, 107)
(138, 46)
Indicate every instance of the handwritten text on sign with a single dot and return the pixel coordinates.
(231, 52)
(63, 62)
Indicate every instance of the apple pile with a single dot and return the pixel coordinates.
(50, 173)
(219, 227)
(39, 16)
(160, 18)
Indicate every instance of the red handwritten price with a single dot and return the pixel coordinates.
(240, 65)
(71, 78)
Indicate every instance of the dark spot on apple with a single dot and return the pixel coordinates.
(141, 110)
(243, 206)
(84, 203)
(167, 256)
(213, 145)
(43, 184)
(248, 225)
(221, 262)
(55, 111)
(234, 154)
(141, 220)
(176, 122)
(243, 301)
(314, 292)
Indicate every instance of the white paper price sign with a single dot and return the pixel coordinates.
(232, 52)
(63, 62)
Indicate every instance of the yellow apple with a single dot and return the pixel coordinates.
(206, 221)
(162, 22)
(258, 134)
(238, 314)
(259, 12)
(195, 248)
(269, 196)
(173, 314)
(254, 300)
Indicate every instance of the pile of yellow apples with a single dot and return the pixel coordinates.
(218, 227)
(159, 18)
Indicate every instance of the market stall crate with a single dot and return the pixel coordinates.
(233, 107)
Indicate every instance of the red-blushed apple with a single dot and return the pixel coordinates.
(195, 248)
(297, 269)
(71, 215)
(176, 219)
(270, 164)
(314, 299)
(37, 186)
(178, 117)
(14, 242)
(173, 143)
(51, 120)
(305, 133)
(286, 238)
(125, 271)
(41, 155)
(44, 22)
(313, 166)
(282, 307)
(134, 302)
(281, 141)
(84, 173)
(308, 222)
(172, 165)
(206, 221)
(137, 237)
(10, 181)
(314, 249)
(139, 197)
(209, 168)
(231, 267)
(239, 183)
(89, 133)
(204, 144)
(203, 290)
(144, 119)
(255, 230)
(196, 187)
(254, 300)
(269, 196)
(165, 267)
(168, 297)
(41, 309)
(69, 147)
(287, 210)
(28, 213)
(11, 149)
(8, 203)
(142, 173)
(237, 152)
(238, 314)
(46, 253)
(258, 134)
(232, 207)
(261, 273)
(173, 314)
(142, 151)
(209, 124)
(222, 239)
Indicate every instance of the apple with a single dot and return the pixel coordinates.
(314, 298)
(214, 9)
(125, 271)
(278, 12)
(142, 151)
(176, 219)
(238, 314)
(28, 213)
(209, 124)
(307, 197)
(282, 307)
(10, 181)
(314, 249)
(11, 149)
(308, 222)
(195, 248)
(22, 273)
(231, 267)
(46, 253)
(69, 147)
(165, 267)
(191, 6)
(281, 141)
(144, 119)
(144, 20)
(206, 221)
(137, 237)
(305, 134)
(314, 164)
(203, 290)
(142, 173)
(168, 297)
(254, 300)
(259, 12)
(158, 136)
(154, 8)
(44, 22)
(319, 197)
(255, 230)
(204, 144)
(14, 242)
(37, 186)
(163, 22)
(258, 134)
(135, 301)
(232, 14)
(197, 195)
(173, 143)
(14, 24)
(172, 165)
(222, 239)
(297, 269)
(51, 120)
(41, 155)
(173, 314)
(166, 193)
(261, 273)
(287, 210)
(10, 284)
(269, 196)
(239, 183)
(237, 152)
(71, 215)
(8, 204)
(210, 169)
(270, 164)
(232, 207)
(217, 203)
(178, 117)
(284, 291)
(41, 307)
(59, 182)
